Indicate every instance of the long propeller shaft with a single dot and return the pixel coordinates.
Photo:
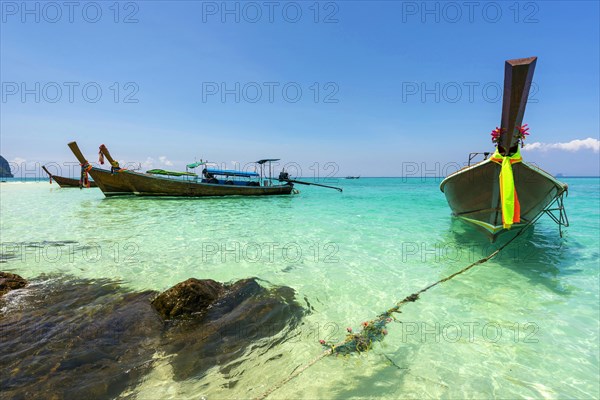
(307, 183)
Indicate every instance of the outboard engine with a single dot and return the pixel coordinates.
(284, 176)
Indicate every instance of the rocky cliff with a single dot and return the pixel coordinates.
(4, 168)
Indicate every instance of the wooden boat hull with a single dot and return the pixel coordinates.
(111, 184)
(150, 185)
(66, 182)
(69, 182)
(133, 183)
(473, 194)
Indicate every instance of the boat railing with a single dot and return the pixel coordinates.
(473, 155)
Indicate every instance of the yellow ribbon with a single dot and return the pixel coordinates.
(511, 209)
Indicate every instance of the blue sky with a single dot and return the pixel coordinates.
(373, 87)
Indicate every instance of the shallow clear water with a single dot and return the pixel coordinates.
(524, 324)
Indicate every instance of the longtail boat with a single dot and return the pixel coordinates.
(503, 192)
(188, 184)
(66, 182)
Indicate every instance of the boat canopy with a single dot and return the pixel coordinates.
(170, 173)
(228, 172)
(195, 165)
(267, 160)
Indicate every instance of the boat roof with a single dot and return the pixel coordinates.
(169, 173)
(195, 164)
(267, 160)
(230, 172)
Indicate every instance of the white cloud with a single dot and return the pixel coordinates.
(164, 161)
(149, 163)
(572, 146)
(18, 160)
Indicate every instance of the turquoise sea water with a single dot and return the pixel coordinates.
(523, 325)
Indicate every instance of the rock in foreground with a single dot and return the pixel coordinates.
(10, 282)
(240, 317)
(74, 338)
(188, 297)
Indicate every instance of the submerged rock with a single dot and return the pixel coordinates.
(241, 317)
(76, 338)
(188, 297)
(10, 282)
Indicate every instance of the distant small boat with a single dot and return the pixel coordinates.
(352, 177)
(504, 192)
(66, 182)
(212, 182)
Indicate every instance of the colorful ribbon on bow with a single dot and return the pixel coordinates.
(85, 181)
(115, 168)
(511, 209)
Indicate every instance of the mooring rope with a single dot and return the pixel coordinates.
(374, 330)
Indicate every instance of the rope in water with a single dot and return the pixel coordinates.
(374, 329)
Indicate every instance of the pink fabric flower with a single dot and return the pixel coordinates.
(496, 134)
(524, 131)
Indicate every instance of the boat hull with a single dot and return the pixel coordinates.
(65, 182)
(473, 194)
(149, 185)
(69, 182)
(134, 183)
(111, 184)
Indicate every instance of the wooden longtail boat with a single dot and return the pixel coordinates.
(190, 184)
(504, 192)
(65, 182)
